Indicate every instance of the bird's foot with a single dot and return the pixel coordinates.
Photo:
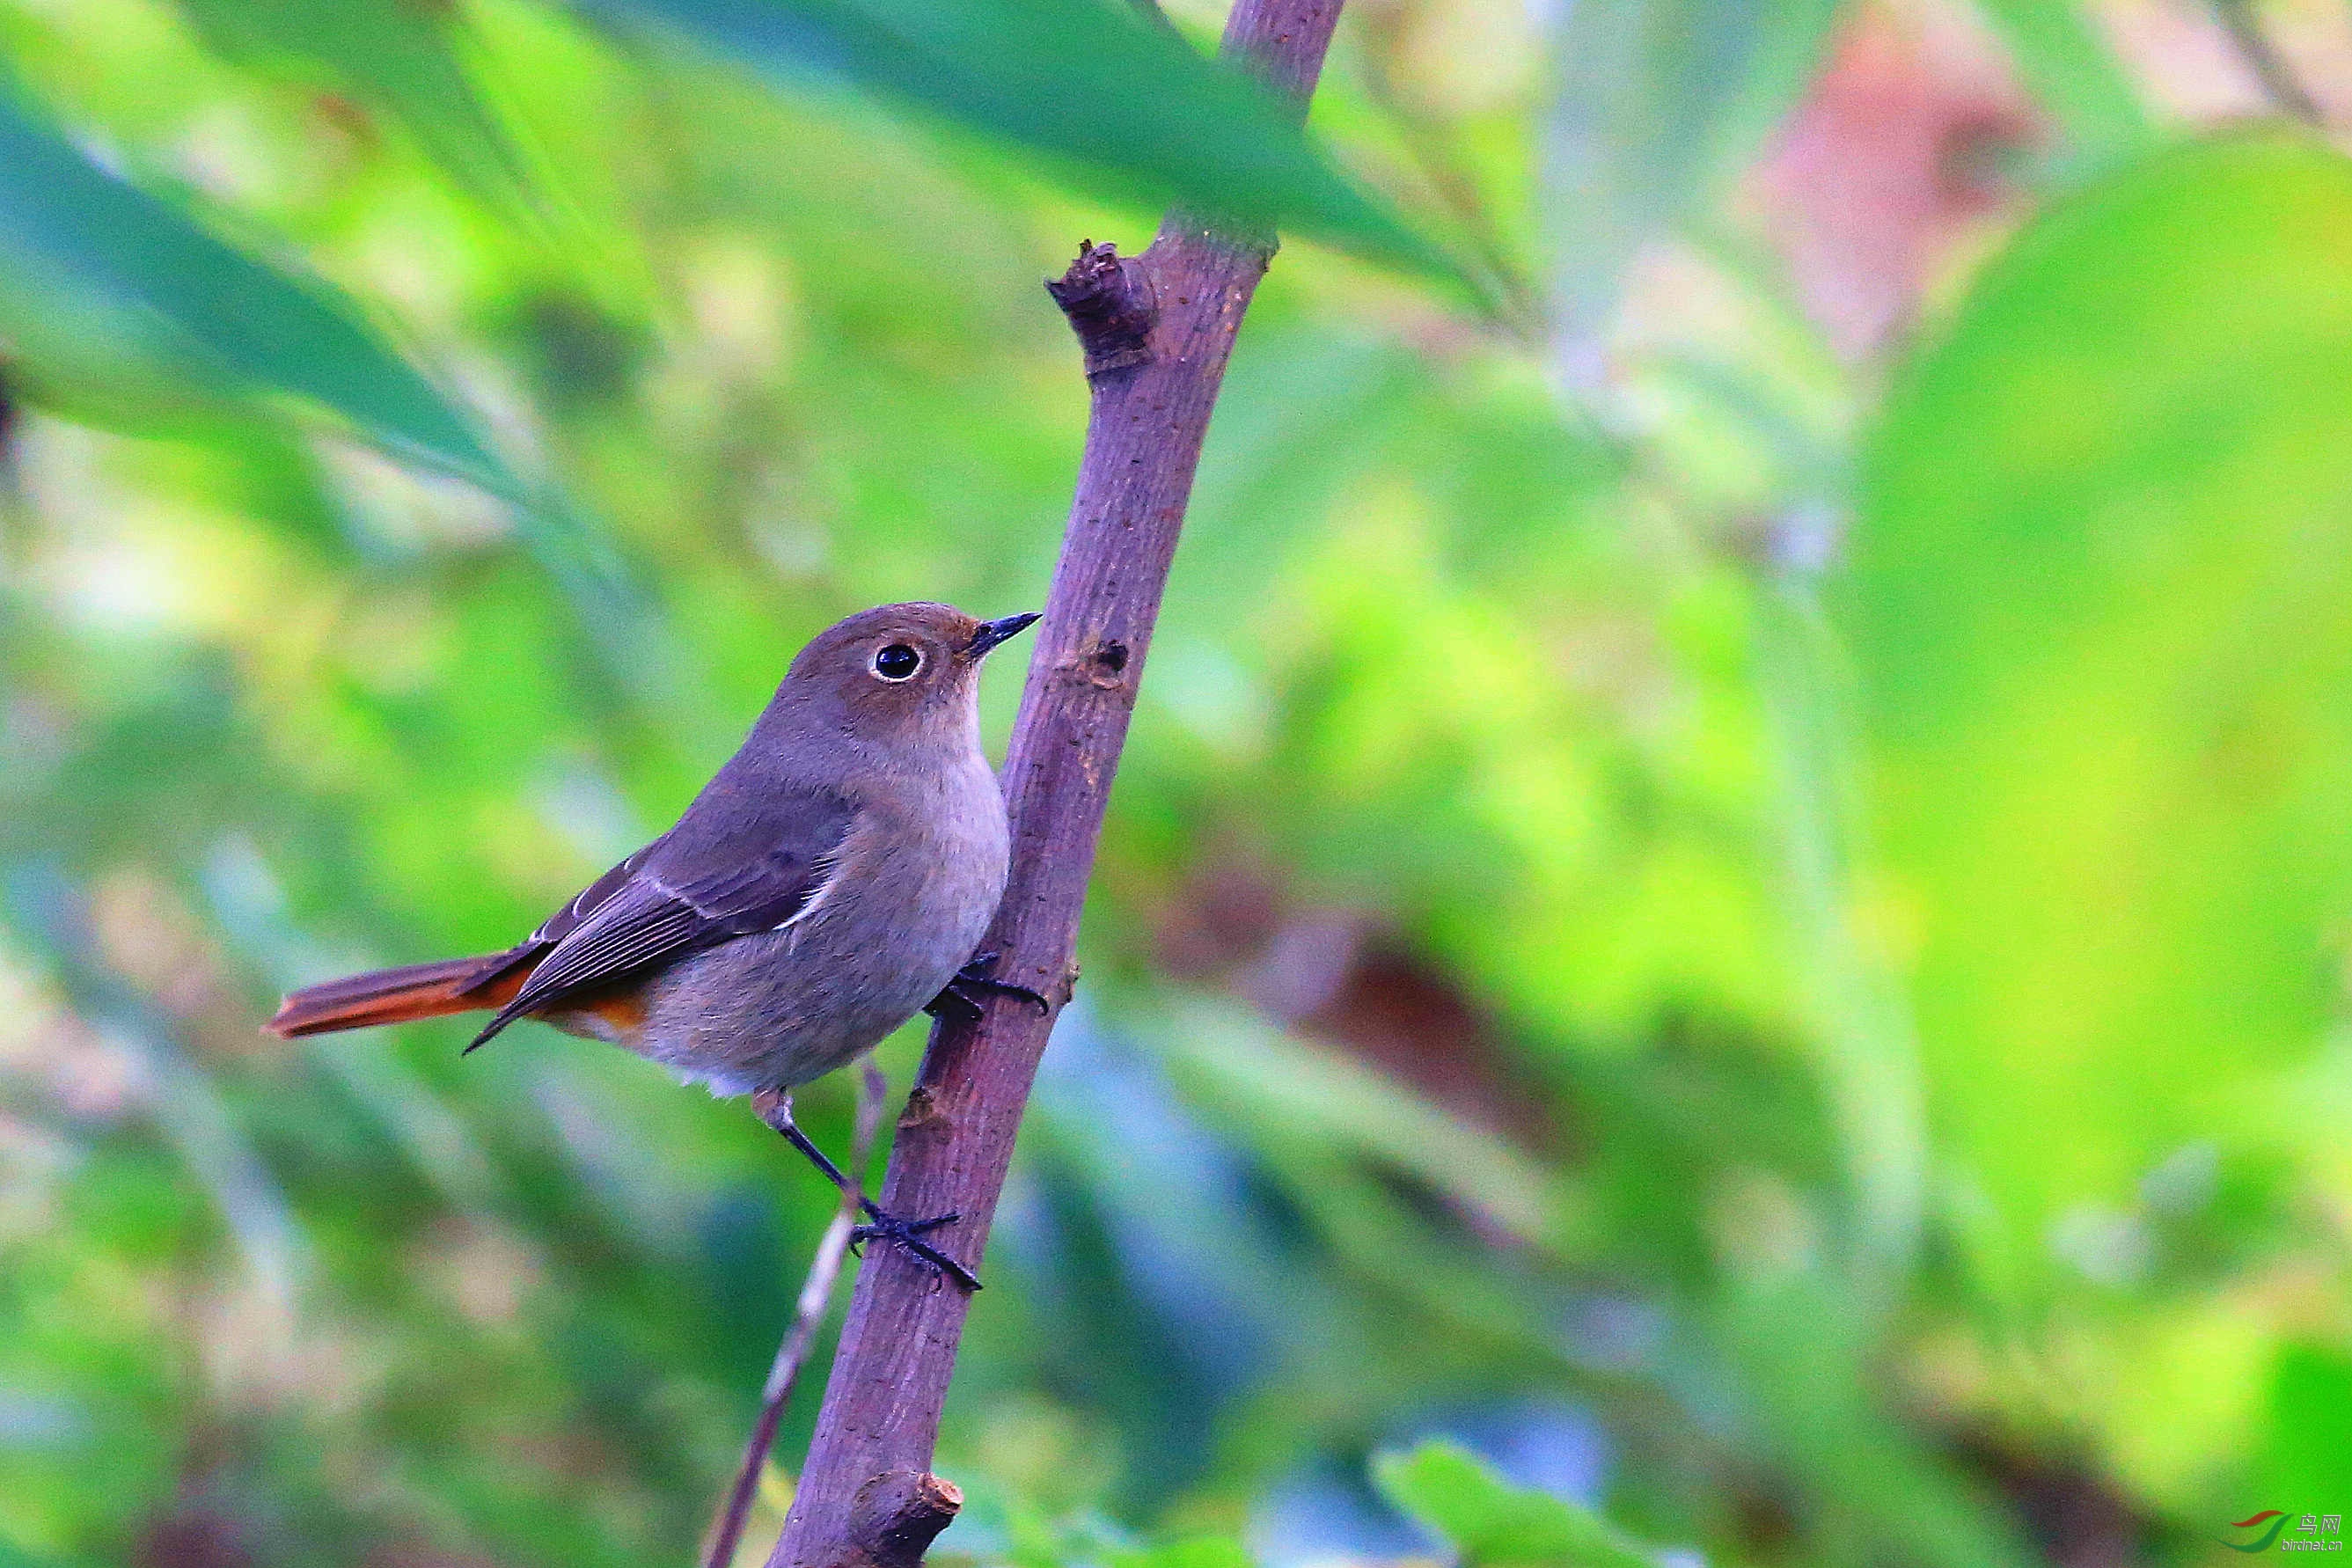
(774, 1107)
(908, 1234)
(960, 999)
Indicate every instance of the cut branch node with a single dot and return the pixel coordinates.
(1107, 298)
(895, 1517)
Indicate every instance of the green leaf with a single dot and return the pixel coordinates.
(1657, 103)
(1081, 79)
(2310, 1425)
(2098, 604)
(395, 57)
(2070, 70)
(1490, 1523)
(116, 310)
(118, 307)
(1302, 1092)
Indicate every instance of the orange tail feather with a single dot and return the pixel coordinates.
(397, 995)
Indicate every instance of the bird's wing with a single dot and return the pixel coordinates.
(733, 865)
(589, 899)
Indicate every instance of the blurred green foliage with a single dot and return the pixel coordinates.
(1722, 928)
(1489, 1522)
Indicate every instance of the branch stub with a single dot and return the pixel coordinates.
(1107, 301)
(895, 1517)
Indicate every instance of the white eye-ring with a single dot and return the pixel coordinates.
(896, 661)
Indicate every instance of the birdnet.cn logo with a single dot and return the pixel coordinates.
(2290, 1532)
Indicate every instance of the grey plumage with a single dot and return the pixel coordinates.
(916, 879)
(826, 884)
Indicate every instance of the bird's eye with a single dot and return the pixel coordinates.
(898, 662)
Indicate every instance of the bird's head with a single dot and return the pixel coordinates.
(899, 673)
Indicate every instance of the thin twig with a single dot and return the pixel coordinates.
(2262, 57)
(792, 1355)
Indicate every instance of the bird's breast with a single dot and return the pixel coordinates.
(916, 885)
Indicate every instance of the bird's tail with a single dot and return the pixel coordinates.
(397, 995)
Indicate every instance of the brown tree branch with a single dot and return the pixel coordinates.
(1157, 329)
(808, 1312)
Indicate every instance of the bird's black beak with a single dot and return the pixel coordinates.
(991, 633)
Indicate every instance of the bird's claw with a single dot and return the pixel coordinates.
(955, 1004)
(908, 1234)
(957, 999)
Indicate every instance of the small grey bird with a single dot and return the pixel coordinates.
(830, 882)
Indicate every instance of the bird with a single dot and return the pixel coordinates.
(835, 878)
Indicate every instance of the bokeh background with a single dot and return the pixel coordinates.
(1722, 936)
